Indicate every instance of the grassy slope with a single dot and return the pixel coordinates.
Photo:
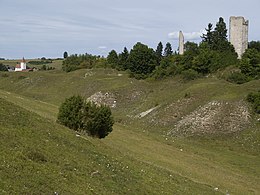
(229, 162)
(39, 156)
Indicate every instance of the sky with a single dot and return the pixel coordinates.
(48, 28)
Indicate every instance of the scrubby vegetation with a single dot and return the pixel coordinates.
(95, 120)
(3, 67)
(75, 62)
(254, 99)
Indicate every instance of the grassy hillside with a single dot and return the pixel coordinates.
(177, 137)
(39, 156)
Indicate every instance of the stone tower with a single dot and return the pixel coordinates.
(181, 43)
(238, 34)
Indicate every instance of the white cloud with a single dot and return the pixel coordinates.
(187, 35)
(102, 47)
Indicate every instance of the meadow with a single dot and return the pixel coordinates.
(157, 145)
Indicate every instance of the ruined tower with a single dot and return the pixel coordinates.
(181, 43)
(238, 34)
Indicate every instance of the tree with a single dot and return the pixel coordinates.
(74, 62)
(219, 37)
(123, 59)
(70, 113)
(191, 47)
(95, 120)
(168, 49)
(254, 45)
(159, 50)
(142, 60)
(112, 58)
(207, 38)
(65, 54)
(250, 63)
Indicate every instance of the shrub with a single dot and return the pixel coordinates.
(254, 99)
(190, 74)
(237, 77)
(3, 67)
(70, 112)
(95, 120)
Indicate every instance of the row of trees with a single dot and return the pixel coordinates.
(213, 53)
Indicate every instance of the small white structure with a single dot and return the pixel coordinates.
(21, 66)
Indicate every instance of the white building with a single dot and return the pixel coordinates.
(21, 66)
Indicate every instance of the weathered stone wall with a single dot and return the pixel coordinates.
(238, 34)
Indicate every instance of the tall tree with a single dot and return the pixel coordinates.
(112, 58)
(207, 38)
(168, 50)
(65, 54)
(219, 38)
(142, 60)
(159, 50)
(123, 57)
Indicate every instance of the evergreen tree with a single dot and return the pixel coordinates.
(65, 54)
(159, 50)
(219, 38)
(112, 58)
(254, 45)
(191, 47)
(123, 57)
(207, 38)
(70, 113)
(168, 50)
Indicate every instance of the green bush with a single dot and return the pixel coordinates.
(254, 99)
(190, 74)
(237, 77)
(95, 120)
(70, 112)
(3, 67)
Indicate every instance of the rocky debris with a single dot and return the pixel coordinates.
(170, 114)
(94, 173)
(214, 117)
(107, 98)
(143, 114)
(88, 74)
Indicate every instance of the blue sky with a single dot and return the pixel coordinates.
(34, 29)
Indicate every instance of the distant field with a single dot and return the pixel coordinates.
(143, 155)
(56, 63)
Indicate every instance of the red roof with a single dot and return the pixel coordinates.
(18, 66)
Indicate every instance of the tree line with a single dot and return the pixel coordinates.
(213, 53)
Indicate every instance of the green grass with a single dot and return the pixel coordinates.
(157, 164)
(39, 156)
